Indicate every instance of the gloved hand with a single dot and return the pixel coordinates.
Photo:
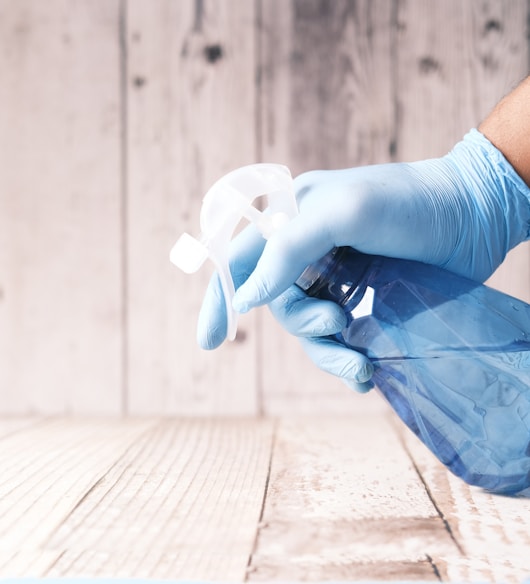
(463, 212)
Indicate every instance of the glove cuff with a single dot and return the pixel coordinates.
(500, 178)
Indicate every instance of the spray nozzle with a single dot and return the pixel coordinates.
(229, 200)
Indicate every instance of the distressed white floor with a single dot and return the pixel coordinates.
(344, 498)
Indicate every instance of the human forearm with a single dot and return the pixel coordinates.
(508, 128)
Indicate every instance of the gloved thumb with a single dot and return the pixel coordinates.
(285, 256)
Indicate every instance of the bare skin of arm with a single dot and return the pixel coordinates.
(508, 128)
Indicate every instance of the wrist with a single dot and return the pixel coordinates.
(508, 128)
(497, 191)
(476, 206)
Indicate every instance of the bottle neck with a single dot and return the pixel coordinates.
(335, 276)
(313, 276)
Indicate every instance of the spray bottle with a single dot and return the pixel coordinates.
(450, 355)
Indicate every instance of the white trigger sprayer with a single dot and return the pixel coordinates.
(229, 200)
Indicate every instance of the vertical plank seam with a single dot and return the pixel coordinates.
(258, 137)
(428, 491)
(258, 64)
(434, 567)
(394, 62)
(260, 523)
(124, 167)
(527, 36)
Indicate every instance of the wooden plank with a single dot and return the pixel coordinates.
(184, 501)
(326, 83)
(13, 424)
(345, 503)
(416, 80)
(191, 116)
(47, 470)
(333, 397)
(60, 230)
(492, 530)
(326, 102)
(26, 564)
(455, 61)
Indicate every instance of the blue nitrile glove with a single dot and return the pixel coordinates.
(463, 212)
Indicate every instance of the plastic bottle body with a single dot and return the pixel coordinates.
(451, 356)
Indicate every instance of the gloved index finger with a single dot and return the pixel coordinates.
(285, 256)
(244, 252)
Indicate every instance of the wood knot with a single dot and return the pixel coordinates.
(213, 53)
(428, 65)
(139, 81)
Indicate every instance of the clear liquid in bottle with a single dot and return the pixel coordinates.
(451, 356)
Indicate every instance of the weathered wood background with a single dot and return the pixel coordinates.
(117, 115)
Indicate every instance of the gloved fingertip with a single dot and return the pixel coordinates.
(245, 297)
(359, 387)
(359, 376)
(303, 316)
(365, 372)
(210, 340)
(211, 332)
(323, 318)
(240, 305)
(333, 324)
(321, 327)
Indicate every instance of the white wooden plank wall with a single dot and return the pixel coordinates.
(352, 83)
(304, 499)
(191, 102)
(455, 61)
(116, 116)
(61, 328)
(337, 53)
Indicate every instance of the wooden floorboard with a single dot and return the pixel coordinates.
(182, 502)
(493, 531)
(338, 498)
(346, 503)
(47, 468)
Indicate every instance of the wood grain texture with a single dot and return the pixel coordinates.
(345, 503)
(47, 468)
(191, 118)
(26, 563)
(60, 208)
(491, 530)
(327, 97)
(326, 102)
(183, 503)
(343, 498)
(116, 117)
(353, 83)
(455, 61)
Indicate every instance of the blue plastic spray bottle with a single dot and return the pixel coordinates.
(451, 356)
